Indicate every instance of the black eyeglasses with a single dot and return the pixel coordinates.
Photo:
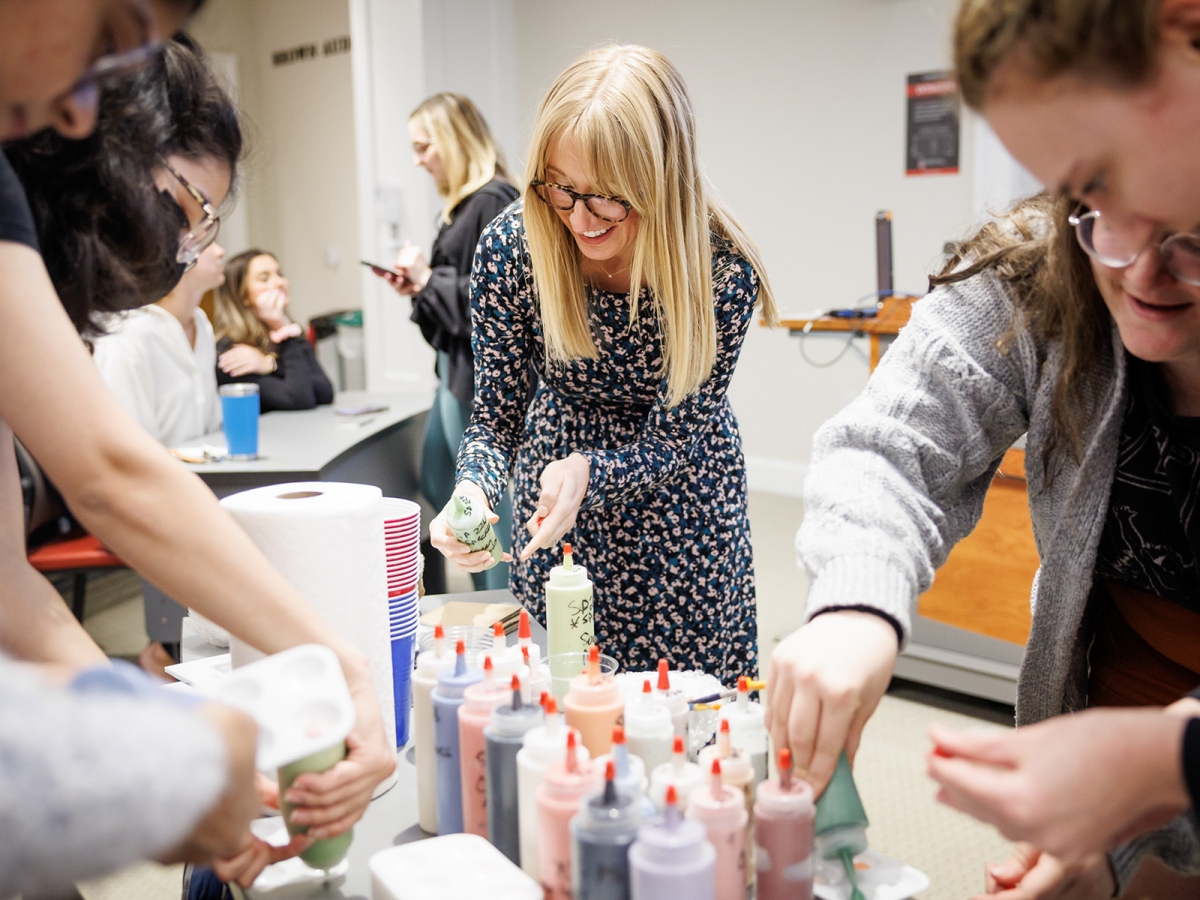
(196, 241)
(1111, 246)
(610, 209)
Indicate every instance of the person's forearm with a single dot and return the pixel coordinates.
(36, 625)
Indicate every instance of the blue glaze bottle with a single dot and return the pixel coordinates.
(601, 834)
(447, 697)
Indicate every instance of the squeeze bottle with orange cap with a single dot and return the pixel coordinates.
(447, 697)
(648, 729)
(594, 705)
(672, 698)
(736, 771)
(630, 771)
(721, 809)
(430, 664)
(601, 832)
(504, 736)
(783, 813)
(747, 725)
(684, 776)
(541, 746)
(563, 786)
(473, 716)
(672, 858)
(538, 679)
(569, 610)
(469, 522)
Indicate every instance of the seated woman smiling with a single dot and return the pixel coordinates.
(257, 341)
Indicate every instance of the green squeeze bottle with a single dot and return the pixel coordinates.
(469, 522)
(327, 853)
(841, 822)
(569, 609)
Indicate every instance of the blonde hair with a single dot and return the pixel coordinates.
(628, 112)
(231, 317)
(468, 152)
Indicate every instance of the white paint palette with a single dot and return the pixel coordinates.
(299, 699)
(879, 878)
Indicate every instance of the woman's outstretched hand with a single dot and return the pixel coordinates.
(564, 484)
(452, 548)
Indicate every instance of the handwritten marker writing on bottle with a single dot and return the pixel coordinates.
(569, 607)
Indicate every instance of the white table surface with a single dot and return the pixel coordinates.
(309, 440)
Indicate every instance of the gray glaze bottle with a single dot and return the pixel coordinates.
(503, 737)
(601, 835)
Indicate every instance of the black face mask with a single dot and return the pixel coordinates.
(174, 224)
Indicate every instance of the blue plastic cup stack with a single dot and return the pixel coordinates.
(402, 541)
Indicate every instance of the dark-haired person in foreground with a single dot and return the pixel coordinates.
(105, 804)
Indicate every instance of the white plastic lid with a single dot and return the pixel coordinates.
(451, 867)
(645, 718)
(737, 769)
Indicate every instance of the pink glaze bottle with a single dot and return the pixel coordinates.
(473, 716)
(784, 814)
(737, 770)
(722, 811)
(563, 788)
(594, 705)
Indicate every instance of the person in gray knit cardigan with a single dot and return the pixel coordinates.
(1099, 366)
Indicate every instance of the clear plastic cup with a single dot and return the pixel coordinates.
(478, 641)
(565, 666)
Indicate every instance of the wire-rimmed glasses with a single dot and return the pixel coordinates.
(1119, 248)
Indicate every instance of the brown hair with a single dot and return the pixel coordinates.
(1114, 42)
(231, 317)
(1032, 249)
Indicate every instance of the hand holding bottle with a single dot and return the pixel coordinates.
(825, 681)
(443, 538)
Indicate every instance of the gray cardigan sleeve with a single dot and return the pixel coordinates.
(92, 782)
(899, 475)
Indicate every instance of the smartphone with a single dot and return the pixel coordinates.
(376, 267)
(359, 410)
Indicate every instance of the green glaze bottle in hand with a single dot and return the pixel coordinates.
(569, 611)
(327, 853)
(468, 519)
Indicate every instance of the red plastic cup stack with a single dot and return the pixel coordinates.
(402, 542)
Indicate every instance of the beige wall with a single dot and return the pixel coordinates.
(801, 119)
(300, 178)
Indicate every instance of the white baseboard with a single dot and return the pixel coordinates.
(775, 476)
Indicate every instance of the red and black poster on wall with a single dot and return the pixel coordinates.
(932, 136)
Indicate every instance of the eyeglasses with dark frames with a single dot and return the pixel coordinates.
(196, 241)
(610, 209)
(1110, 246)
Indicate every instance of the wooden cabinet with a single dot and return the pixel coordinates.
(984, 585)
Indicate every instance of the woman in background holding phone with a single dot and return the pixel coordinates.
(452, 142)
(256, 340)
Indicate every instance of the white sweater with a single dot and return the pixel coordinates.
(168, 386)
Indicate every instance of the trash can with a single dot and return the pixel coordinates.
(322, 332)
(352, 364)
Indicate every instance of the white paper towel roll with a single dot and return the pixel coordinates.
(326, 538)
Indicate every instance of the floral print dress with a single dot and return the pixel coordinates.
(663, 528)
